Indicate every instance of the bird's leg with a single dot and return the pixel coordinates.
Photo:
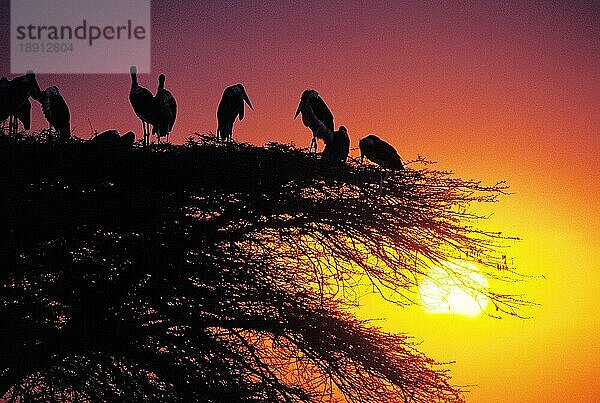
(380, 182)
(14, 125)
(313, 144)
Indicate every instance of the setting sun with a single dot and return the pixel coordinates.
(453, 289)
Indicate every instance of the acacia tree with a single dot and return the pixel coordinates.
(211, 272)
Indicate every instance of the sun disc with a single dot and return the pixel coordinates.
(452, 289)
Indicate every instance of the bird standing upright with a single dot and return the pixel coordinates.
(165, 110)
(142, 101)
(56, 111)
(230, 107)
(321, 112)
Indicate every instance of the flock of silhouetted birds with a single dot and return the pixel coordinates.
(160, 110)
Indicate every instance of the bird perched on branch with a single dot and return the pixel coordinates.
(380, 152)
(110, 139)
(14, 100)
(338, 147)
(311, 98)
(56, 111)
(165, 110)
(142, 101)
(337, 143)
(230, 107)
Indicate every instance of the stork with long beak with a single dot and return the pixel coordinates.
(320, 110)
(230, 107)
(381, 153)
(142, 101)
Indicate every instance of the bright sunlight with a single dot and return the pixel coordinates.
(452, 289)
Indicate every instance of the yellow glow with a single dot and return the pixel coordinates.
(453, 289)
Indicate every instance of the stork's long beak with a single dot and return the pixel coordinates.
(362, 157)
(247, 100)
(298, 110)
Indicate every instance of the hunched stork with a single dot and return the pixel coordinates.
(142, 101)
(338, 148)
(337, 143)
(381, 153)
(56, 111)
(165, 110)
(230, 107)
(14, 100)
(321, 111)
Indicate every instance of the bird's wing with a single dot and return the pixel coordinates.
(55, 109)
(173, 107)
(224, 104)
(164, 117)
(240, 103)
(142, 102)
(322, 112)
(24, 114)
(228, 107)
(388, 154)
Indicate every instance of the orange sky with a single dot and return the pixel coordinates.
(492, 92)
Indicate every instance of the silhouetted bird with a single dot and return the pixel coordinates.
(23, 114)
(110, 139)
(316, 125)
(321, 112)
(14, 97)
(379, 152)
(165, 110)
(142, 101)
(56, 111)
(230, 107)
(338, 147)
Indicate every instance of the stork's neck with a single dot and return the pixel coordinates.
(134, 82)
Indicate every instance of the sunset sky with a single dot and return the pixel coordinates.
(493, 92)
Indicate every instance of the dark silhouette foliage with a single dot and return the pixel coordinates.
(218, 272)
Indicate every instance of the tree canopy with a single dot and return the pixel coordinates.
(221, 272)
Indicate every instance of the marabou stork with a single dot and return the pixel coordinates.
(321, 111)
(142, 101)
(165, 110)
(381, 153)
(14, 100)
(230, 107)
(338, 148)
(56, 111)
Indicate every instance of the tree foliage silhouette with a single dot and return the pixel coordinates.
(219, 273)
